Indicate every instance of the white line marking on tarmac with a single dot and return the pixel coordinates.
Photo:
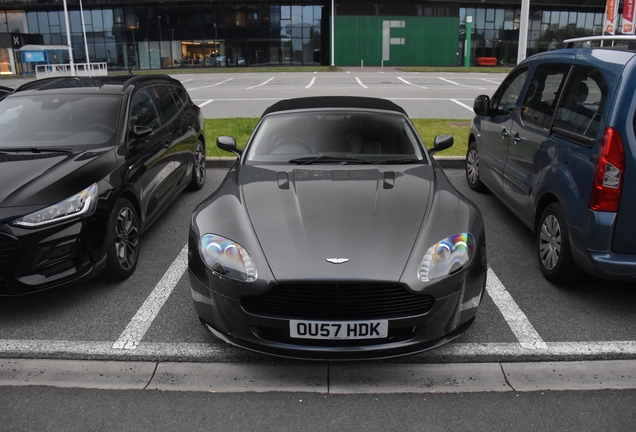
(184, 81)
(137, 327)
(261, 84)
(490, 81)
(414, 85)
(211, 85)
(311, 83)
(461, 85)
(461, 104)
(519, 324)
(360, 82)
(205, 103)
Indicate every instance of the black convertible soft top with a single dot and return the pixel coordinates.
(334, 102)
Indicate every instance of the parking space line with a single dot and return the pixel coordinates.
(205, 103)
(461, 85)
(259, 85)
(211, 85)
(490, 81)
(360, 82)
(137, 327)
(313, 80)
(519, 324)
(414, 85)
(461, 104)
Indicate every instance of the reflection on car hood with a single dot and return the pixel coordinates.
(39, 179)
(370, 216)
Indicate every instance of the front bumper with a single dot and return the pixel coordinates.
(37, 259)
(449, 317)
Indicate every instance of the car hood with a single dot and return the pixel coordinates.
(34, 180)
(368, 216)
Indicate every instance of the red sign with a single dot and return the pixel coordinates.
(628, 17)
(610, 15)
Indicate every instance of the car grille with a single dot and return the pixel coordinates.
(337, 302)
(7, 246)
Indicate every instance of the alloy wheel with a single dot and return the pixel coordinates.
(550, 242)
(126, 238)
(472, 166)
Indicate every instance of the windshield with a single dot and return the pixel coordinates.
(335, 137)
(58, 121)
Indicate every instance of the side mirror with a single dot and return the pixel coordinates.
(442, 142)
(481, 106)
(141, 132)
(228, 143)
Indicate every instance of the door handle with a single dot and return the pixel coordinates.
(167, 142)
(504, 133)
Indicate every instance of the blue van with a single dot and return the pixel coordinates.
(556, 144)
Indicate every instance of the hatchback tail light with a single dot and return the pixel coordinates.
(608, 176)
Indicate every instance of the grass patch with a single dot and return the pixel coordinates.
(241, 128)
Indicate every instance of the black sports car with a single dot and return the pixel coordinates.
(336, 236)
(86, 165)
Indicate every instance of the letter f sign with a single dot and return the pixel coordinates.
(387, 40)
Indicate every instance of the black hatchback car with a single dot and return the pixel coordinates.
(86, 165)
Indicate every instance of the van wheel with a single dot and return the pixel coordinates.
(472, 169)
(553, 247)
(122, 241)
(198, 170)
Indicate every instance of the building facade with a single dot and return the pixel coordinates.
(145, 34)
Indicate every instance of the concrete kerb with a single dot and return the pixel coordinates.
(327, 378)
(443, 161)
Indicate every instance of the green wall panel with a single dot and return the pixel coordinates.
(428, 41)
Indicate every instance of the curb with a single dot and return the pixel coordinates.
(450, 162)
(327, 378)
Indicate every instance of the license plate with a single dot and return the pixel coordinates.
(338, 329)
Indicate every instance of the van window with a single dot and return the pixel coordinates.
(582, 104)
(541, 97)
(505, 102)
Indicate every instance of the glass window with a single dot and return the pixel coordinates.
(582, 104)
(541, 96)
(167, 105)
(143, 111)
(506, 98)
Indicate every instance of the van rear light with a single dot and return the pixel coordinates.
(608, 176)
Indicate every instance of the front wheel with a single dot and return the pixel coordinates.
(122, 241)
(198, 170)
(553, 246)
(472, 169)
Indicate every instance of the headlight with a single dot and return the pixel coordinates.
(447, 257)
(83, 203)
(227, 258)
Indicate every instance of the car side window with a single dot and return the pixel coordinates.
(582, 104)
(182, 96)
(505, 102)
(167, 105)
(143, 111)
(541, 96)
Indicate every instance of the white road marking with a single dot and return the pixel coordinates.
(12, 348)
(519, 324)
(184, 81)
(205, 103)
(461, 85)
(414, 85)
(490, 81)
(461, 104)
(259, 85)
(137, 327)
(360, 82)
(311, 83)
(211, 85)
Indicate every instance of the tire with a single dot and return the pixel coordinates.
(553, 247)
(472, 169)
(198, 170)
(122, 241)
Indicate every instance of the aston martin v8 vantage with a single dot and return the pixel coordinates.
(336, 236)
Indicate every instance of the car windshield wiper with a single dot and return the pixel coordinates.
(35, 150)
(327, 159)
(397, 161)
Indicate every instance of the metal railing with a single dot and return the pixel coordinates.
(77, 69)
